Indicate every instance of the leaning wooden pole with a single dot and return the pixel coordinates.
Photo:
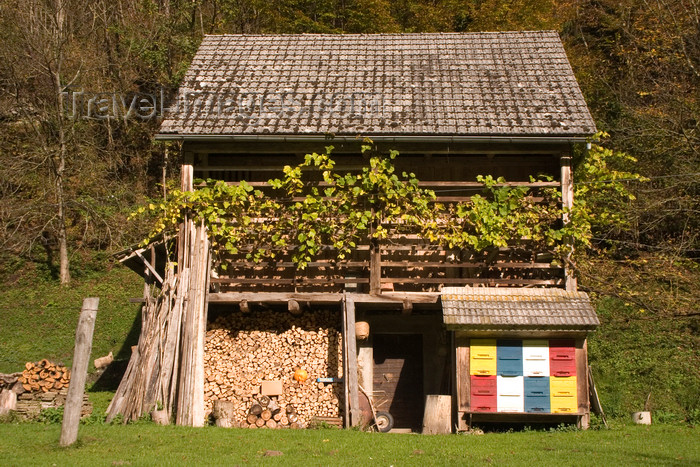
(81, 357)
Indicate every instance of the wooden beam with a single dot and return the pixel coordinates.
(396, 298)
(351, 354)
(149, 266)
(375, 268)
(567, 200)
(81, 357)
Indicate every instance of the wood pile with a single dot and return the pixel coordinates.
(265, 412)
(244, 349)
(29, 404)
(44, 376)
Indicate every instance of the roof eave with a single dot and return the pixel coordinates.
(376, 138)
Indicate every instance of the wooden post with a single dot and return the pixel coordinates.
(351, 358)
(81, 357)
(375, 268)
(567, 200)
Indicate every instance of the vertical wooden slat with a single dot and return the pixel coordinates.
(462, 371)
(375, 268)
(346, 392)
(351, 342)
(582, 381)
(567, 199)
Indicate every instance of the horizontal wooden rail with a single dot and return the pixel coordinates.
(422, 183)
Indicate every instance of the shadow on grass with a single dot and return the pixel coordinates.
(110, 377)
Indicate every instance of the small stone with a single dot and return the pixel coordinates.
(272, 453)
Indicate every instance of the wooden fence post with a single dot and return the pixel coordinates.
(81, 357)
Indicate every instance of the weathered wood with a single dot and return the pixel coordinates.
(567, 201)
(323, 298)
(437, 418)
(375, 268)
(351, 357)
(8, 401)
(581, 356)
(81, 357)
(462, 372)
(293, 307)
(222, 411)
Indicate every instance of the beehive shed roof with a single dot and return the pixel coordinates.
(490, 308)
(460, 84)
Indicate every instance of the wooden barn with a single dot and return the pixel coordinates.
(501, 332)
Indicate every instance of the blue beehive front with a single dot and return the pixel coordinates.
(537, 394)
(509, 357)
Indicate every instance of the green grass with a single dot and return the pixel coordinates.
(146, 444)
(38, 317)
(634, 357)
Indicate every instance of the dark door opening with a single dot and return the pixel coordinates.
(398, 377)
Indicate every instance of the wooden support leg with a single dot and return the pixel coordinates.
(350, 362)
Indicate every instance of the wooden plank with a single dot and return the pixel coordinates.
(581, 355)
(299, 281)
(462, 372)
(346, 386)
(149, 266)
(422, 183)
(375, 268)
(438, 264)
(81, 357)
(324, 298)
(351, 376)
(465, 280)
(567, 200)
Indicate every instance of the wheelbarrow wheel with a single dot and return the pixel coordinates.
(384, 422)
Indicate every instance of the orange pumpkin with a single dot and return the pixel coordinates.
(300, 375)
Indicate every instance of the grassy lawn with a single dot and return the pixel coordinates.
(144, 444)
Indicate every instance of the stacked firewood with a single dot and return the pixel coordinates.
(245, 349)
(267, 413)
(44, 376)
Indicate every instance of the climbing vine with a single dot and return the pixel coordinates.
(304, 214)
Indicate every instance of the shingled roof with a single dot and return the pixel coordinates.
(510, 84)
(516, 309)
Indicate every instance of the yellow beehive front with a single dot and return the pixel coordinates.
(563, 394)
(482, 357)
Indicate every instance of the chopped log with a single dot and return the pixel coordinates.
(255, 409)
(294, 308)
(264, 401)
(8, 401)
(223, 412)
(271, 424)
(260, 422)
(277, 417)
(266, 414)
(252, 419)
(104, 362)
(160, 417)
